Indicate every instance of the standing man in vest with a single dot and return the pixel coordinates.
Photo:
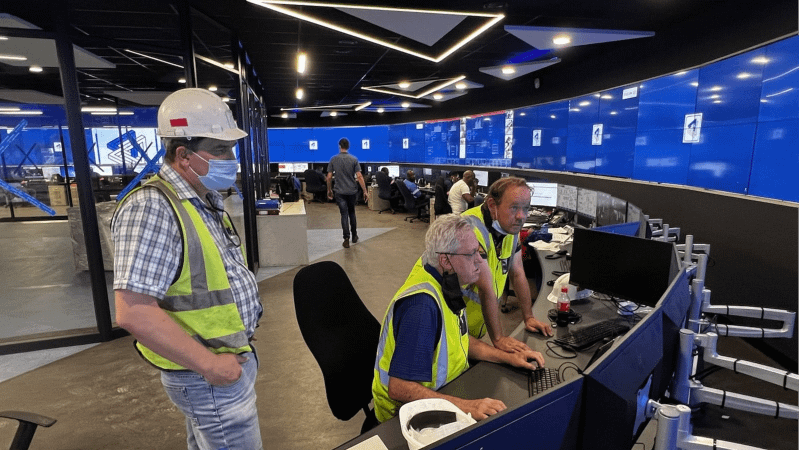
(497, 223)
(182, 286)
(347, 171)
(424, 342)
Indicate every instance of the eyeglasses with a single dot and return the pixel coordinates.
(230, 232)
(470, 255)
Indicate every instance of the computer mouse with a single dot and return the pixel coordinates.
(534, 362)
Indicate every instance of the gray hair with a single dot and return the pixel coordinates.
(443, 236)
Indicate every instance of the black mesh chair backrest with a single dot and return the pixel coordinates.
(313, 181)
(384, 186)
(340, 332)
(410, 201)
(441, 205)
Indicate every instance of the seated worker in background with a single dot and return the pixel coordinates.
(463, 193)
(424, 336)
(497, 223)
(450, 180)
(411, 184)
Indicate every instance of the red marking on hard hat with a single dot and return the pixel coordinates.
(178, 122)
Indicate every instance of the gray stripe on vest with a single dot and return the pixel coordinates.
(441, 363)
(200, 300)
(197, 262)
(478, 223)
(471, 294)
(236, 340)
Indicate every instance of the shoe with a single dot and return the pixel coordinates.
(355, 238)
(346, 243)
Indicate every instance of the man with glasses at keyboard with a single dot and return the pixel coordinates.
(497, 223)
(182, 286)
(424, 342)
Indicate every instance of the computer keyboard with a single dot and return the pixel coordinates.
(541, 380)
(587, 336)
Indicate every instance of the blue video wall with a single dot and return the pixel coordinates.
(730, 126)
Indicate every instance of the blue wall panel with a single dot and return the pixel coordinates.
(525, 121)
(553, 118)
(618, 115)
(779, 92)
(665, 101)
(661, 156)
(723, 157)
(615, 156)
(730, 90)
(775, 161)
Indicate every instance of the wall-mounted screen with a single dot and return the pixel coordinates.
(567, 198)
(610, 210)
(544, 194)
(292, 167)
(482, 176)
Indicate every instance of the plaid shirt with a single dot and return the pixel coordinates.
(148, 246)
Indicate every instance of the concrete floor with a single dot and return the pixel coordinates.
(106, 397)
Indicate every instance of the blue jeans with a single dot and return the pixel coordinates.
(347, 208)
(217, 417)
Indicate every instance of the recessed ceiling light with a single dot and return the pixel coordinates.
(35, 69)
(552, 116)
(226, 99)
(562, 39)
(212, 88)
(380, 110)
(438, 96)
(334, 113)
(301, 62)
(299, 93)
(508, 70)
(285, 115)
(404, 84)
(405, 104)
(461, 85)
(182, 80)
(14, 57)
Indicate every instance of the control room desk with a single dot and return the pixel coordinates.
(282, 238)
(507, 384)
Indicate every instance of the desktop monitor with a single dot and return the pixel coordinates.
(428, 172)
(547, 421)
(394, 171)
(619, 384)
(674, 305)
(567, 198)
(587, 203)
(625, 267)
(610, 210)
(482, 176)
(300, 167)
(544, 194)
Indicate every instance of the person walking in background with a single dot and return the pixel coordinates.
(347, 171)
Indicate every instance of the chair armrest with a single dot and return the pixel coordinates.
(28, 417)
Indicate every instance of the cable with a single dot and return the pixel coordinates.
(569, 365)
(551, 346)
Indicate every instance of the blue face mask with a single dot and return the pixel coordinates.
(221, 173)
(498, 228)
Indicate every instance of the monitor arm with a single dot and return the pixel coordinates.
(675, 430)
(691, 392)
(754, 312)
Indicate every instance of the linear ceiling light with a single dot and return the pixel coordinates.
(362, 106)
(428, 91)
(301, 63)
(226, 66)
(274, 5)
(23, 112)
(154, 58)
(14, 57)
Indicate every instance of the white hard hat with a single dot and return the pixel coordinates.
(427, 420)
(195, 112)
(572, 291)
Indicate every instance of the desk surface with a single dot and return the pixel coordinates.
(503, 382)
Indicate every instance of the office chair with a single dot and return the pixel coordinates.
(27, 427)
(413, 203)
(441, 205)
(315, 185)
(341, 334)
(385, 192)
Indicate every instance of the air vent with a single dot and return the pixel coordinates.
(342, 51)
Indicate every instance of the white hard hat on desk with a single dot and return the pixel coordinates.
(429, 420)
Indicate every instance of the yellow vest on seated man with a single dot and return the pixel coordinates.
(450, 355)
(211, 317)
(499, 264)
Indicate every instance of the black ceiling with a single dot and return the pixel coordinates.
(687, 33)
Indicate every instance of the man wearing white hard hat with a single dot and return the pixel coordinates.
(182, 286)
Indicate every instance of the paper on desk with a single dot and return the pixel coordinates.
(552, 246)
(373, 443)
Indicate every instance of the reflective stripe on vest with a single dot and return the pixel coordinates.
(450, 355)
(200, 300)
(477, 324)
